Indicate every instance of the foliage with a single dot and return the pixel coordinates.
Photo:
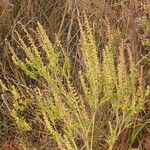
(101, 82)
(85, 87)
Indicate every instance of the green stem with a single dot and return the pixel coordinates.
(93, 127)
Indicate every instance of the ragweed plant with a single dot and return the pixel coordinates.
(18, 105)
(63, 103)
(124, 87)
(58, 100)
